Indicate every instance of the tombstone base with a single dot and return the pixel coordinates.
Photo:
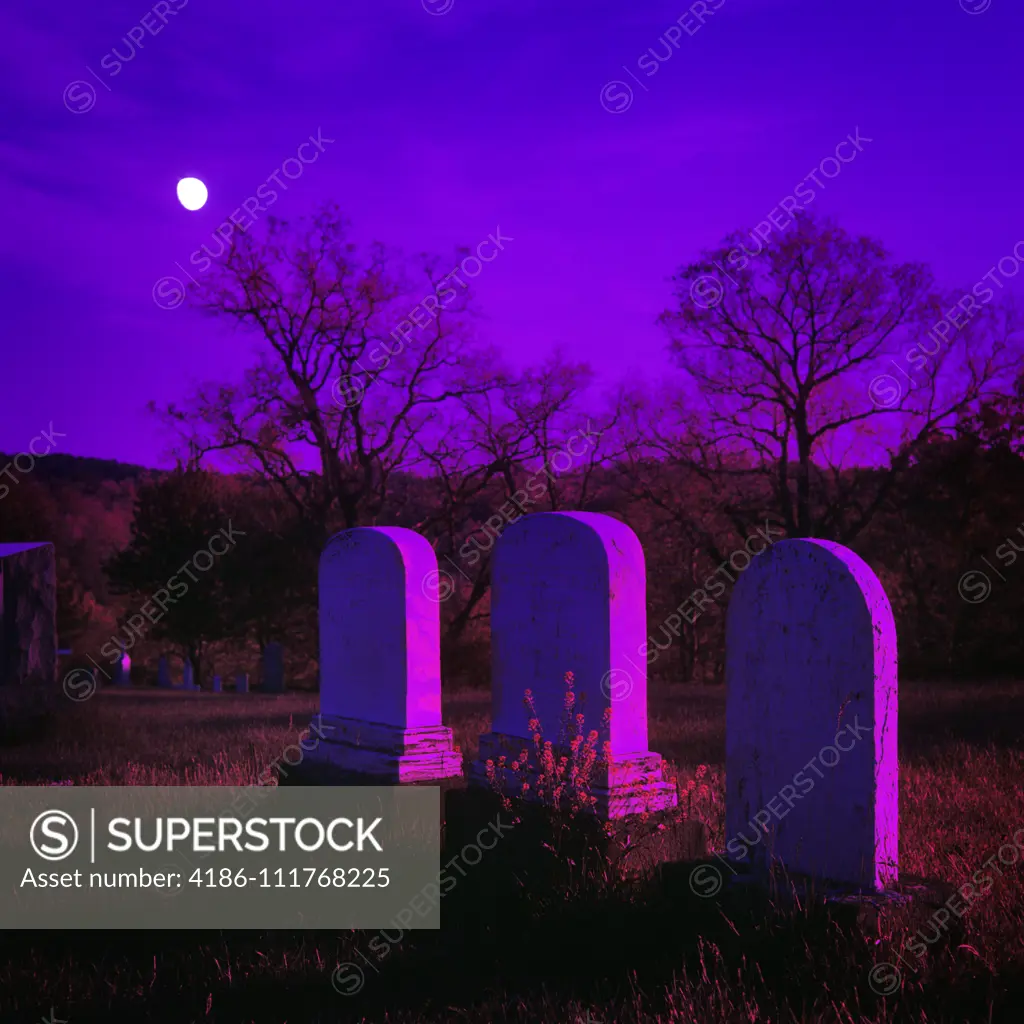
(858, 908)
(386, 753)
(632, 784)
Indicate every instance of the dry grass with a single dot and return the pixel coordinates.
(613, 955)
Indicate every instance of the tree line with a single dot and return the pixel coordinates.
(807, 394)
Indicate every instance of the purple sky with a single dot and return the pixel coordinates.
(446, 127)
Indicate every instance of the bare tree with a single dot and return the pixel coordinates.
(370, 401)
(525, 446)
(808, 359)
(359, 352)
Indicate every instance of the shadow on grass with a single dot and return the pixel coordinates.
(626, 956)
(541, 928)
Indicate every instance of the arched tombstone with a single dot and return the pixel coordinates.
(380, 660)
(123, 669)
(811, 717)
(163, 674)
(273, 668)
(568, 594)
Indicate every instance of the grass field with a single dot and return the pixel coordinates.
(583, 951)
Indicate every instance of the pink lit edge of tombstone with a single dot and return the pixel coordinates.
(884, 799)
(886, 712)
(422, 628)
(627, 592)
(420, 747)
(634, 782)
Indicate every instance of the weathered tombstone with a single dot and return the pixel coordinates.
(217, 687)
(163, 674)
(28, 614)
(28, 634)
(811, 715)
(568, 594)
(380, 660)
(273, 668)
(242, 682)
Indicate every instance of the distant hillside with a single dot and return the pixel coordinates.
(85, 470)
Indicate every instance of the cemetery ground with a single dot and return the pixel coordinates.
(563, 945)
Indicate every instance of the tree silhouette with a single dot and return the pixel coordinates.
(175, 518)
(808, 358)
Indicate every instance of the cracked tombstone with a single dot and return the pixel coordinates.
(569, 595)
(811, 716)
(380, 660)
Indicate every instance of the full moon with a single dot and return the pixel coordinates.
(192, 193)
